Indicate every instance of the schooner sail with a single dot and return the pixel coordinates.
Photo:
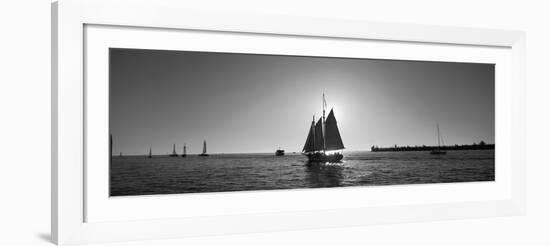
(204, 149)
(324, 136)
(333, 140)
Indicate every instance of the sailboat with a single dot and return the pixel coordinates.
(438, 151)
(324, 143)
(204, 149)
(174, 153)
(184, 151)
(150, 153)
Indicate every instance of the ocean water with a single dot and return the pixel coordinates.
(139, 175)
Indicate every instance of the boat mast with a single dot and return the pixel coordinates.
(438, 138)
(324, 138)
(313, 127)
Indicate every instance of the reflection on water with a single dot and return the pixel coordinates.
(323, 175)
(139, 175)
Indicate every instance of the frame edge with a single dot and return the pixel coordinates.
(54, 127)
(66, 227)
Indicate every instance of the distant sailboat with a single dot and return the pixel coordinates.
(184, 151)
(150, 153)
(324, 143)
(438, 151)
(174, 153)
(204, 149)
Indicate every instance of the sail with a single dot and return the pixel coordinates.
(333, 141)
(184, 149)
(204, 147)
(319, 145)
(310, 142)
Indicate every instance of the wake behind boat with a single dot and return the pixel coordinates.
(324, 143)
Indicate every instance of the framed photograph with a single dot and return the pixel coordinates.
(172, 123)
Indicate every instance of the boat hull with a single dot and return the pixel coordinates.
(322, 157)
(203, 155)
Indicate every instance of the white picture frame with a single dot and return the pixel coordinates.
(78, 216)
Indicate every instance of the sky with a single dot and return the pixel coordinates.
(250, 103)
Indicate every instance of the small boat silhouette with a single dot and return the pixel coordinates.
(174, 153)
(437, 150)
(184, 151)
(204, 149)
(279, 152)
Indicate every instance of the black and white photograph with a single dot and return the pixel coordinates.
(202, 122)
(245, 123)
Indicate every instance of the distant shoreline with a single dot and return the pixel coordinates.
(476, 146)
(385, 149)
(211, 154)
